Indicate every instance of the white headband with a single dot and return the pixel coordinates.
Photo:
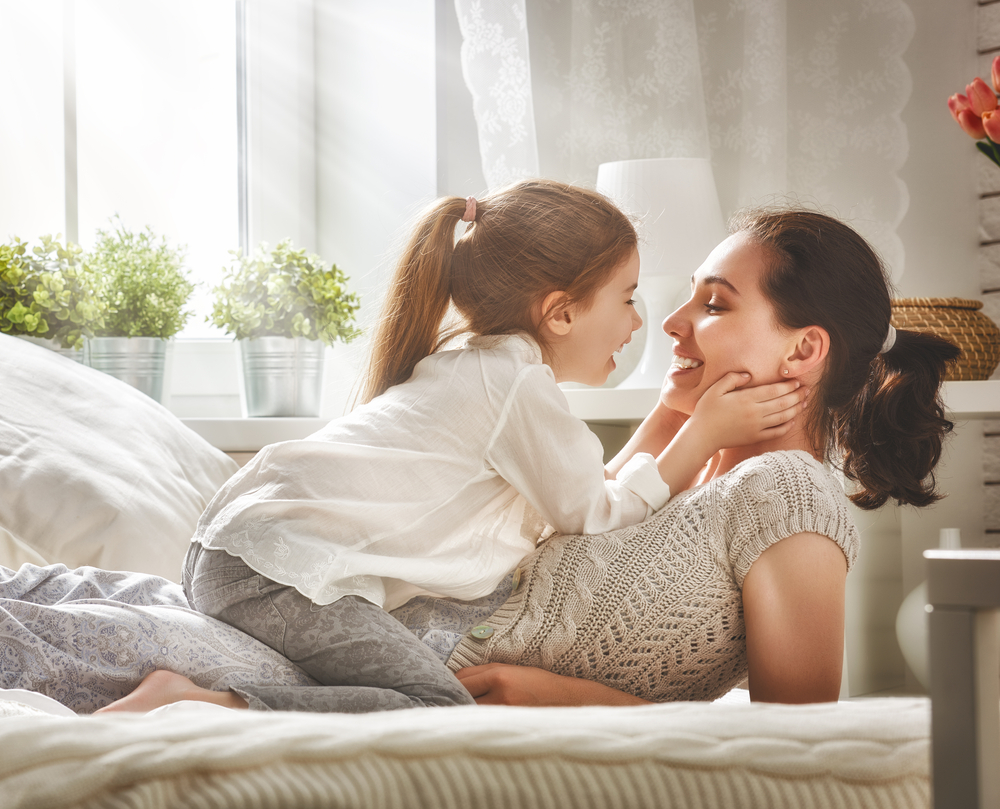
(890, 340)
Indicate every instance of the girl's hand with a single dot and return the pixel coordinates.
(736, 416)
(669, 420)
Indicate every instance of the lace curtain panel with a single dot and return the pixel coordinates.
(792, 100)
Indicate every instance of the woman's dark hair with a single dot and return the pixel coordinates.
(879, 415)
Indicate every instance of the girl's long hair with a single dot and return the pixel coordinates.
(527, 240)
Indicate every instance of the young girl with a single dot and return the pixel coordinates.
(459, 461)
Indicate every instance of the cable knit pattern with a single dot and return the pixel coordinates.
(872, 753)
(656, 609)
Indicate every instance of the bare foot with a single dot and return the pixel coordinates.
(160, 688)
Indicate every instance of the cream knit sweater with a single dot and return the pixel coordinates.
(655, 609)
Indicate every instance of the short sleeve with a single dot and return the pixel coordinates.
(776, 496)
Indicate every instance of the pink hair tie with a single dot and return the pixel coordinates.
(470, 210)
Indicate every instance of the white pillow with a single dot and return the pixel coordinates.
(14, 552)
(93, 472)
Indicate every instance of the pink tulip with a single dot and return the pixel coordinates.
(991, 125)
(957, 103)
(981, 97)
(972, 124)
(996, 73)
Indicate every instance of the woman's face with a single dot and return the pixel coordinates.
(726, 325)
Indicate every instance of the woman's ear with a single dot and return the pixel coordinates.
(556, 314)
(808, 352)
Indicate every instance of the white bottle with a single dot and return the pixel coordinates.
(911, 620)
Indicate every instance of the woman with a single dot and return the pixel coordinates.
(737, 575)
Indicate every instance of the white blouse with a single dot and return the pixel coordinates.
(439, 486)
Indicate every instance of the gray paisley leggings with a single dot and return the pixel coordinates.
(365, 659)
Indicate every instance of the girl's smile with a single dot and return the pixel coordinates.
(585, 350)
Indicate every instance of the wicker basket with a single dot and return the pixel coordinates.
(960, 321)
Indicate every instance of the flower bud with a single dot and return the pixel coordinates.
(991, 125)
(972, 124)
(981, 97)
(957, 103)
(995, 71)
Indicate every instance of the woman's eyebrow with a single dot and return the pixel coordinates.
(716, 279)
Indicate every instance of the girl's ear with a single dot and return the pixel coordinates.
(808, 352)
(556, 314)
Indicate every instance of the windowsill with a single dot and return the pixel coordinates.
(251, 434)
(615, 406)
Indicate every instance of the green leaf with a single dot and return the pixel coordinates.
(17, 312)
(284, 292)
(41, 286)
(144, 283)
(989, 148)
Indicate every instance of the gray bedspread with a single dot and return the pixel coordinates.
(87, 637)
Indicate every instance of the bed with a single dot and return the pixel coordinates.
(96, 476)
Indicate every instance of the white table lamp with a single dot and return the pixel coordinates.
(680, 224)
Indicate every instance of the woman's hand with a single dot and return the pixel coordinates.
(502, 684)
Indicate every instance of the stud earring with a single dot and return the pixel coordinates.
(785, 372)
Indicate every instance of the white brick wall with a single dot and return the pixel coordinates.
(989, 264)
(988, 186)
(988, 26)
(991, 477)
(987, 173)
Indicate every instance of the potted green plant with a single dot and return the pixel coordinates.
(47, 295)
(284, 307)
(145, 287)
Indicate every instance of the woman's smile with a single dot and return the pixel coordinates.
(726, 325)
(685, 363)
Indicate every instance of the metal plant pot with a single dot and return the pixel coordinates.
(81, 355)
(282, 376)
(139, 361)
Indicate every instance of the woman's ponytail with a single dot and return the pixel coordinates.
(409, 326)
(879, 415)
(889, 438)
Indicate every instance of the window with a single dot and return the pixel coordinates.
(128, 108)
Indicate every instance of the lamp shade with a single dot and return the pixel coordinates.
(680, 223)
(675, 198)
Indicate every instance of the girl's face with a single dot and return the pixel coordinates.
(586, 353)
(726, 325)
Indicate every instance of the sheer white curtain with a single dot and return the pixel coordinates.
(792, 100)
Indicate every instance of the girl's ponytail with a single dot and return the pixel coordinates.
(409, 326)
(523, 242)
(890, 436)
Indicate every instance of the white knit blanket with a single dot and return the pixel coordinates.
(871, 753)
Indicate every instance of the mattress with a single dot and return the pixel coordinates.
(863, 753)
